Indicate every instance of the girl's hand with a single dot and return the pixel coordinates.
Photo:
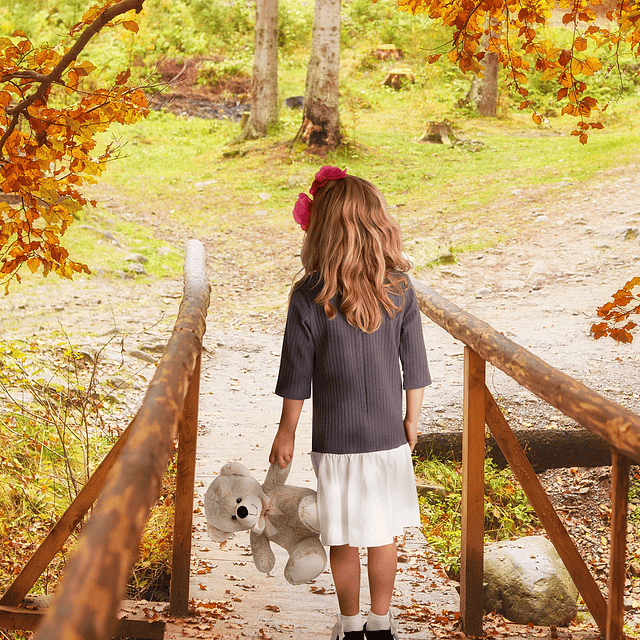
(283, 443)
(411, 433)
(282, 449)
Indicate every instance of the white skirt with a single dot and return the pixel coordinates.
(365, 499)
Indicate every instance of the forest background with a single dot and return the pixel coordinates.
(180, 176)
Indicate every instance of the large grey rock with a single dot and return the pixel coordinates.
(526, 581)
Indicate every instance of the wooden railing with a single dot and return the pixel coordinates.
(615, 424)
(126, 485)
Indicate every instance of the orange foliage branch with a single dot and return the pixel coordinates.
(520, 38)
(615, 315)
(45, 151)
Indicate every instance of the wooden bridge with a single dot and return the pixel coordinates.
(127, 484)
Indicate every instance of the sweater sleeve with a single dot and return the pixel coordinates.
(413, 355)
(296, 362)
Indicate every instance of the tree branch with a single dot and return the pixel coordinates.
(55, 75)
(24, 73)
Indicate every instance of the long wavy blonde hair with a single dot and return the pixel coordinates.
(353, 245)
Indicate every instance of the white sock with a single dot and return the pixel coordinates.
(378, 623)
(352, 623)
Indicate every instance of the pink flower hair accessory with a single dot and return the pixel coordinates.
(323, 176)
(301, 210)
(302, 207)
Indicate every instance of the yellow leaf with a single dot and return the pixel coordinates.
(33, 264)
(131, 25)
(593, 64)
(580, 44)
(576, 67)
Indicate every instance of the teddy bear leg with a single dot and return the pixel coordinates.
(307, 561)
(263, 556)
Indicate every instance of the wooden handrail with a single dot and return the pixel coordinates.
(89, 596)
(613, 423)
(608, 420)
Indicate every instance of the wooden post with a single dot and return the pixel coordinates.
(617, 564)
(183, 515)
(472, 538)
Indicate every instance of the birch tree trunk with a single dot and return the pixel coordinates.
(488, 94)
(483, 93)
(264, 81)
(321, 117)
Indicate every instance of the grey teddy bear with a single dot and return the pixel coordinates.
(272, 512)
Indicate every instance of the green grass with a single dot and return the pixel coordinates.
(87, 244)
(508, 513)
(434, 185)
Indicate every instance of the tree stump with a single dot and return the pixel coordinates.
(397, 77)
(439, 132)
(387, 51)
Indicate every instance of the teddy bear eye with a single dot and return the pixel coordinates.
(238, 500)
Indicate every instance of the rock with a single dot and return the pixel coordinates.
(422, 251)
(135, 267)
(526, 582)
(119, 383)
(201, 185)
(141, 355)
(88, 352)
(164, 251)
(484, 292)
(157, 346)
(625, 232)
(425, 488)
(294, 102)
(538, 269)
(512, 285)
(136, 257)
(541, 219)
(299, 180)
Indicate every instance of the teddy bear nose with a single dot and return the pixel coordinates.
(242, 512)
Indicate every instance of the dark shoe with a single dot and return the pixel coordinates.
(338, 633)
(386, 634)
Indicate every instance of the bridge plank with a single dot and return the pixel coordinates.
(133, 625)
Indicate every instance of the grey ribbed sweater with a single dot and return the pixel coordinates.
(356, 377)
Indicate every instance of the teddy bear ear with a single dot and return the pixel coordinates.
(218, 536)
(234, 469)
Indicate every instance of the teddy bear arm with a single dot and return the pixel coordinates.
(263, 556)
(276, 477)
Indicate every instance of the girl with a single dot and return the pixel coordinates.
(352, 319)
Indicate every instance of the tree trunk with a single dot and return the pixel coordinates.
(483, 92)
(321, 118)
(545, 448)
(264, 81)
(488, 90)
